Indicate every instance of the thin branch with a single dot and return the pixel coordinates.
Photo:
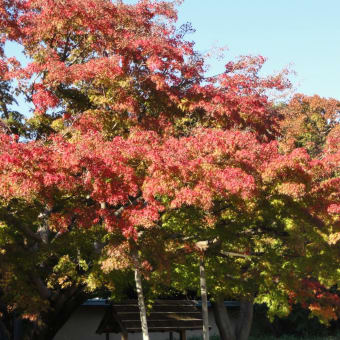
(122, 208)
(232, 254)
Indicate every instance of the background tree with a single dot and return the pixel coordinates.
(307, 121)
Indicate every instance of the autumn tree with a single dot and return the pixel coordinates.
(307, 121)
(130, 142)
(94, 74)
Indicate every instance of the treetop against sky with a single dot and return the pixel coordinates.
(301, 34)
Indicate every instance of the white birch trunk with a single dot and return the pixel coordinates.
(141, 303)
(204, 297)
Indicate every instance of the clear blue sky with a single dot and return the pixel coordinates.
(304, 33)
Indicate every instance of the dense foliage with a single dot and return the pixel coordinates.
(131, 145)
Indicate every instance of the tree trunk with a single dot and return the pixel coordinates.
(204, 296)
(5, 321)
(141, 304)
(54, 320)
(223, 322)
(50, 322)
(229, 329)
(18, 329)
(245, 319)
(139, 288)
(4, 334)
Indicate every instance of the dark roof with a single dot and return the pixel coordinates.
(226, 304)
(96, 302)
(105, 302)
(165, 316)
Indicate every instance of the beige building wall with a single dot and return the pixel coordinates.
(84, 322)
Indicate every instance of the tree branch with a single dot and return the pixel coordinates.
(233, 254)
(43, 291)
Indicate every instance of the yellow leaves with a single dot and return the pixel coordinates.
(277, 203)
(39, 121)
(290, 223)
(171, 246)
(117, 258)
(64, 282)
(277, 302)
(59, 25)
(91, 38)
(295, 190)
(4, 237)
(229, 214)
(83, 264)
(333, 238)
(58, 124)
(184, 104)
(125, 82)
(64, 273)
(267, 241)
(93, 281)
(111, 88)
